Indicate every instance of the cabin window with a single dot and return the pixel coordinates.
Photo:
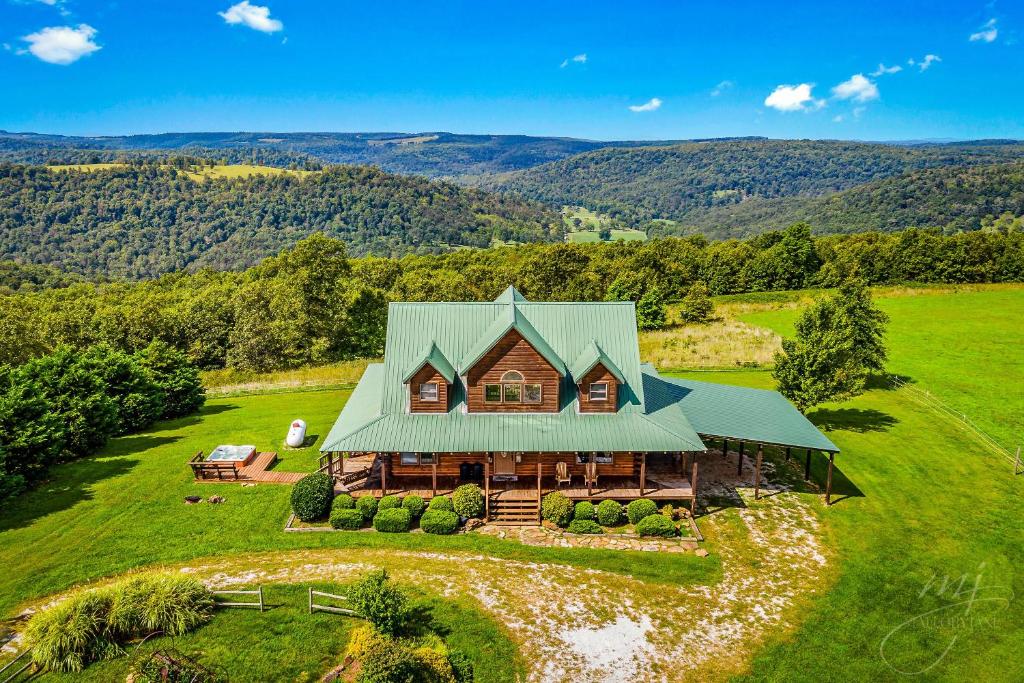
(512, 376)
(492, 393)
(531, 393)
(599, 391)
(409, 459)
(428, 391)
(600, 457)
(513, 393)
(427, 459)
(417, 458)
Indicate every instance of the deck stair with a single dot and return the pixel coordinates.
(514, 512)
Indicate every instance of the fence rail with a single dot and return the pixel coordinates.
(258, 603)
(314, 607)
(930, 400)
(8, 671)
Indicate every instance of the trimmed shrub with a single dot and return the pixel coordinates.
(668, 510)
(343, 501)
(640, 508)
(311, 496)
(656, 525)
(556, 508)
(584, 526)
(441, 503)
(368, 506)
(609, 513)
(439, 522)
(379, 601)
(392, 520)
(415, 505)
(390, 662)
(468, 501)
(347, 518)
(388, 502)
(584, 510)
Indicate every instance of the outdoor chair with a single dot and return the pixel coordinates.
(562, 475)
(591, 474)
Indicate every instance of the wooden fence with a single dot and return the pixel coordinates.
(314, 607)
(258, 603)
(9, 672)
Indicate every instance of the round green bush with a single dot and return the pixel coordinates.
(638, 509)
(656, 525)
(584, 526)
(392, 520)
(414, 504)
(441, 503)
(343, 501)
(388, 502)
(609, 513)
(439, 522)
(311, 496)
(584, 510)
(556, 508)
(347, 518)
(468, 501)
(368, 506)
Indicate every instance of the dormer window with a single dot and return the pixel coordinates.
(428, 391)
(599, 391)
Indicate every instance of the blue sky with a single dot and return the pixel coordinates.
(603, 70)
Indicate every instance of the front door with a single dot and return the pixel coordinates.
(504, 463)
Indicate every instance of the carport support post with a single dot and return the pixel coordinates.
(807, 466)
(757, 472)
(828, 482)
(739, 461)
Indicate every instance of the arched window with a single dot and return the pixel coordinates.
(512, 376)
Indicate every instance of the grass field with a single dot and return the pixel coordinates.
(591, 224)
(920, 501)
(217, 171)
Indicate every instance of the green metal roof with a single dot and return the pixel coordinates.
(510, 295)
(754, 415)
(511, 319)
(591, 356)
(432, 355)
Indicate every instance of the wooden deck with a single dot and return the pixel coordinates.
(258, 470)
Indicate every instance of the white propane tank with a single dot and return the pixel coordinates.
(296, 434)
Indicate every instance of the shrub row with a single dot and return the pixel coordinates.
(585, 518)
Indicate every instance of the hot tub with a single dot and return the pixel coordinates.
(239, 454)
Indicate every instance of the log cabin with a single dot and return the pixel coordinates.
(527, 397)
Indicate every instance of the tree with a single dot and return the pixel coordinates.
(838, 343)
(31, 435)
(132, 386)
(650, 311)
(696, 305)
(177, 378)
(380, 602)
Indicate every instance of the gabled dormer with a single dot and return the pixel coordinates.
(429, 381)
(597, 380)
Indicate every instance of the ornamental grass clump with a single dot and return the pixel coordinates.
(557, 508)
(640, 508)
(609, 513)
(468, 501)
(311, 496)
(440, 522)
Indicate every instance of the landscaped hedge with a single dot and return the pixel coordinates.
(656, 525)
(441, 503)
(392, 520)
(343, 501)
(468, 501)
(388, 502)
(557, 508)
(347, 518)
(609, 513)
(640, 508)
(584, 526)
(368, 506)
(584, 510)
(439, 522)
(311, 496)
(414, 504)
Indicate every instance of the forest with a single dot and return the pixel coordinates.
(148, 218)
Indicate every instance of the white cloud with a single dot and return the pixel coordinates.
(883, 70)
(793, 98)
(650, 105)
(988, 32)
(254, 16)
(578, 59)
(62, 44)
(928, 61)
(857, 88)
(721, 87)
(838, 118)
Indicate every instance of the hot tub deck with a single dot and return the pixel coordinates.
(258, 470)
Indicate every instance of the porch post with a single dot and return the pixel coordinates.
(739, 461)
(643, 471)
(341, 469)
(684, 461)
(433, 477)
(788, 452)
(757, 471)
(487, 490)
(384, 474)
(590, 478)
(828, 482)
(725, 447)
(693, 490)
(538, 487)
(807, 466)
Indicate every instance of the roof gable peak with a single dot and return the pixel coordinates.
(510, 295)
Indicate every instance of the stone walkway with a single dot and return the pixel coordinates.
(541, 536)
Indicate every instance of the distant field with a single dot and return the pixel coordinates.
(218, 171)
(591, 223)
(88, 168)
